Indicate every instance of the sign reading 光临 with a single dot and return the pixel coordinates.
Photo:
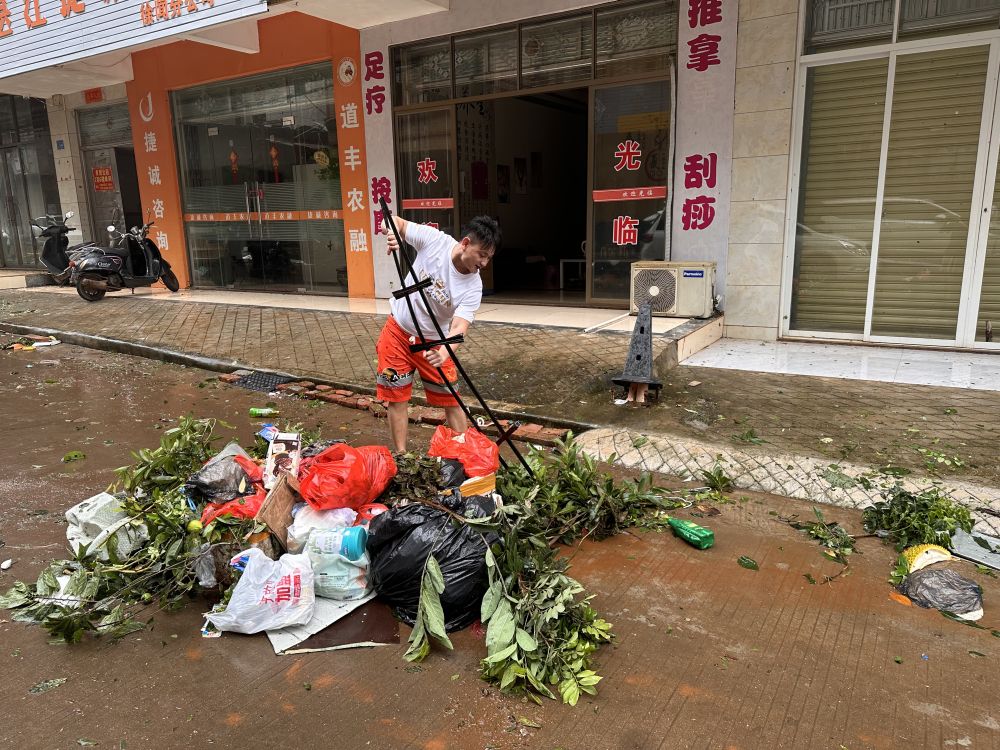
(38, 34)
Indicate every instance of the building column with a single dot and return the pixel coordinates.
(765, 76)
(69, 166)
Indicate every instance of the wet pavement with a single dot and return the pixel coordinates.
(708, 654)
(565, 375)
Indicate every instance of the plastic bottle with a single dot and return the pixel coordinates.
(692, 533)
(264, 412)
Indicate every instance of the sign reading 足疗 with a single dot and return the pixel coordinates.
(706, 85)
(38, 34)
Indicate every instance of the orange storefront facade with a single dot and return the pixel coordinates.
(253, 165)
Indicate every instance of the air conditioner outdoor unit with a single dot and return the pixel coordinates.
(673, 289)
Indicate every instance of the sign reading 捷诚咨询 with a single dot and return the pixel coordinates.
(38, 34)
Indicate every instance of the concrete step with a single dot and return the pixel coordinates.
(22, 279)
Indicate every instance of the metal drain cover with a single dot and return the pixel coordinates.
(265, 382)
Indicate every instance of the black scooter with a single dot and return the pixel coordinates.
(56, 252)
(133, 261)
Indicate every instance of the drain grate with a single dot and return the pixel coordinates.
(265, 382)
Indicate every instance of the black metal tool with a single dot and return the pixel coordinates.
(443, 340)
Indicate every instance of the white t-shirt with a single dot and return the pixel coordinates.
(452, 293)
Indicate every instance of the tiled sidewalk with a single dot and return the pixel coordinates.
(564, 375)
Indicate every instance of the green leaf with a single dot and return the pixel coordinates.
(748, 562)
(499, 656)
(525, 641)
(74, 456)
(17, 596)
(84, 742)
(47, 685)
(570, 691)
(435, 574)
(500, 632)
(492, 597)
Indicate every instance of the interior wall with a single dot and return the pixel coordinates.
(544, 217)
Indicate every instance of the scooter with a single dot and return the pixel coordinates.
(56, 252)
(133, 261)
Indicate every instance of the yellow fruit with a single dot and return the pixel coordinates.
(194, 527)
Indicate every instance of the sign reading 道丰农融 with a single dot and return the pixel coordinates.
(37, 34)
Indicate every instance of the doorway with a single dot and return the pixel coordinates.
(523, 160)
(109, 164)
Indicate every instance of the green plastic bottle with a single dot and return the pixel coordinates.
(263, 412)
(692, 533)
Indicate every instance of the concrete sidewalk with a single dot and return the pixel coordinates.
(764, 420)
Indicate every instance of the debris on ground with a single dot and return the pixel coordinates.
(445, 540)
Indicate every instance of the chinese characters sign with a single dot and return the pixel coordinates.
(706, 80)
(38, 34)
(104, 180)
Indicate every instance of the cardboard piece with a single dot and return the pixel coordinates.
(326, 612)
(276, 512)
(284, 455)
(370, 625)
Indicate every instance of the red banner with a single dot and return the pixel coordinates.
(630, 194)
(411, 204)
(104, 180)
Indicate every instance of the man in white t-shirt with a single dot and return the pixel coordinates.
(454, 295)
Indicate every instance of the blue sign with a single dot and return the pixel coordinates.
(693, 274)
(60, 145)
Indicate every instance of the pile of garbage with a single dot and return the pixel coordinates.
(294, 532)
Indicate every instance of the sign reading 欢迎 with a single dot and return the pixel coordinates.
(38, 34)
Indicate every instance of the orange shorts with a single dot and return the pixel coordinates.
(396, 364)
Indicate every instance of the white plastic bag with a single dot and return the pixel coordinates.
(336, 576)
(308, 518)
(271, 594)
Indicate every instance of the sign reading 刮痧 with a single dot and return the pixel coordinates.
(37, 34)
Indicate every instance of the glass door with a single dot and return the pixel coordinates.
(630, 164)
(261, 183)
(426, 155)
(15, 223)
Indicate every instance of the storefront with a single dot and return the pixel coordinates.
(895, 237)
(109, 168)
(28, 186)
(253, 164)
(561, 129)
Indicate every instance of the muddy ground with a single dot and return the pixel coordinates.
(708, 654)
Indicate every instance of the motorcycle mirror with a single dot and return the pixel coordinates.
(70, 215)
(111, 228)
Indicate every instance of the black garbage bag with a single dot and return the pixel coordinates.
(399, 542)
(314, 449)
(452, 473)
(944, 589)
(222, 479)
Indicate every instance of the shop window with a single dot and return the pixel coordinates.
(422, 73)
(842, 139)
(937, 109)
(848, 23)
(636, 39)
(935, 17)
(486, 63)
(557, 51)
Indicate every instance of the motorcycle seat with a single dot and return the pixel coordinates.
(121, 252)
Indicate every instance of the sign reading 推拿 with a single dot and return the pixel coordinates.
(38, 34)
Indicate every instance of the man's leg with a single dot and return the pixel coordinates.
(395, 380)
(456, 419)
(399, 424)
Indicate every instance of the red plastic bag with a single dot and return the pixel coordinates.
(241, 507)
(253, 470)
(478, 454)
(346, 477)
